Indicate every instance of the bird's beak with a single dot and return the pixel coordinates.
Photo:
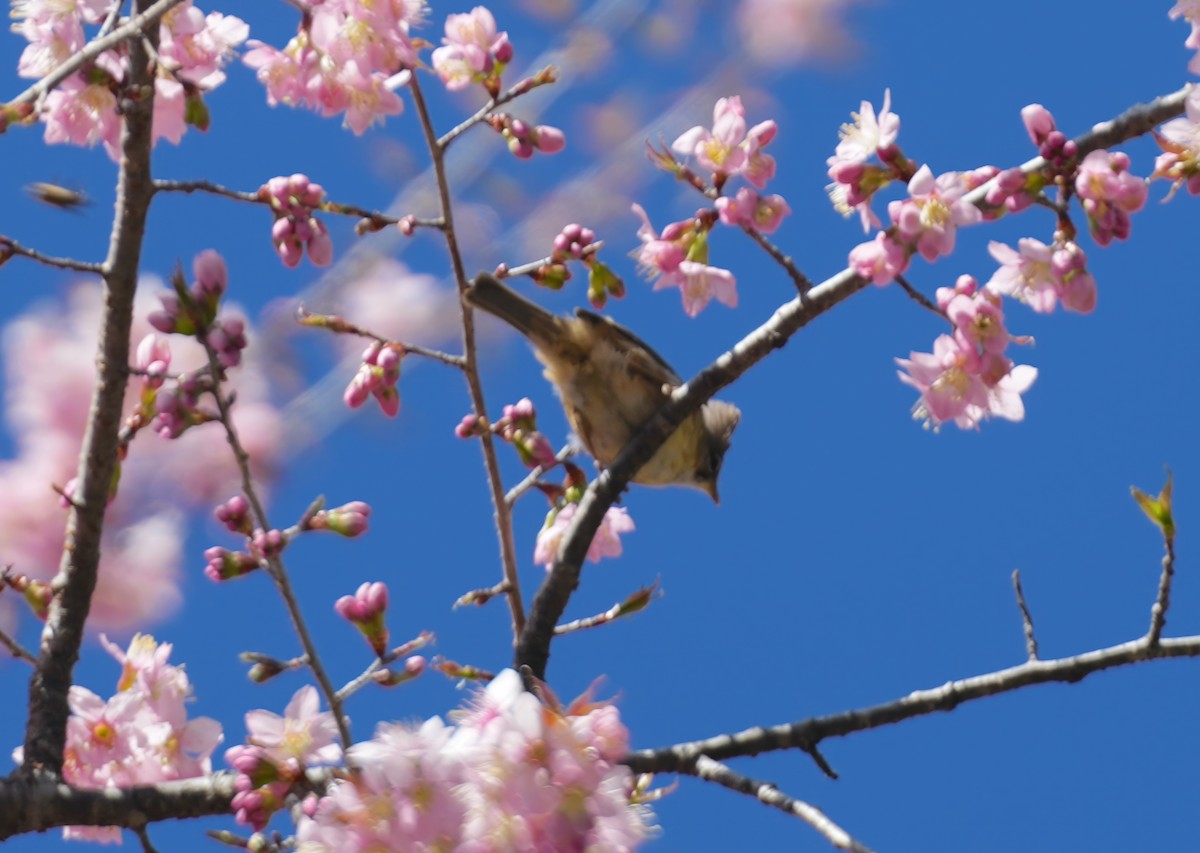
(710, 489)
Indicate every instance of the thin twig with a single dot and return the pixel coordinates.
(503, 513)
(18, 651)
(8, 246)
(1031, 644)
(542, 78)
(340, 325)
(275, 567)
(533, 649)
(635, 603)
(114, 15)
(768, 794)
(144, 837)
(162, 186)
(45, 731)
(1158, 611)
(531, 479)
(365, 677)
(803, 283)
(919, 297)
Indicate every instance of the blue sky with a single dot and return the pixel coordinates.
(855, 556)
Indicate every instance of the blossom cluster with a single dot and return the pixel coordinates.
(606, 542)
(513, 773)
(172, 403)
(679, 255)
(346, 58)
(472, 52)
(277, 752)
(349, 520)
(967, 377)
(296, 231)
(139, 736)
(518, 427)
(1180, 141)
(83, 109)
(378, 376)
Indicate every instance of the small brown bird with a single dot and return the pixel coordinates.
(56, 196)
(611, 383)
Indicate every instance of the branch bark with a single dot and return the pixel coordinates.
(45, 733)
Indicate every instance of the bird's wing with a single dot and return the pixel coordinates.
(640, 356)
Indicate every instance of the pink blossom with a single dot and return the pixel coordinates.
(140, 736)
(471, 50)
(976, 315)
(699, 283)
(304, 736)
(1180, 141)
(514, 773)
(959, 384)
(720, 149)
(660, 255)
(1025, 273)
(1109, 193)
(1041, 275)
(934, 211)
(606, 542)
(82, 114)
(867, 134)
(348, 61)
(749, 209)
(879, 260)
(949, 382)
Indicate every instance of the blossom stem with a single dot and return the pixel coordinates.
(503, 513)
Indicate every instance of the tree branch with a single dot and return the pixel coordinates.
(804, 734)
(533, 649)
(765, 792)
(45, 733)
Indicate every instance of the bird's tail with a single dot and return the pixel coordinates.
(531, 320)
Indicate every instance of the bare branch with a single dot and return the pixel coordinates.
(765, 792)
(805, 734)
(45, 733)
(37, 804)
(9, 247)
(503, 512)
(1031, 645)
(525, 485)
(17, 650)
(919, 297)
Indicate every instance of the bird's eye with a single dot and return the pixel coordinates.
(715, 457)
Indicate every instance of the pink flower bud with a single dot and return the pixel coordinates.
(1038, 122)
(549, 140)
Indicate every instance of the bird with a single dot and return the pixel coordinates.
(611, 383)
(56, 196)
